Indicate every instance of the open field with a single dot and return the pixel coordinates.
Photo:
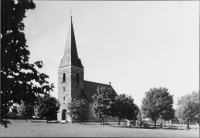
(38, 128)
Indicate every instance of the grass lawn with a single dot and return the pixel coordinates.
(39, 128)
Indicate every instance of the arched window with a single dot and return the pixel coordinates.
(77, 77)
(64, 98)
(64, 77)
(63, 88)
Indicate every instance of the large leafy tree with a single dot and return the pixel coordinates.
(102, 104)
(25, 110)
(158, 103)
(48, 107)
(76, 108)
(124, 108)
(20, 80)
(188, 108)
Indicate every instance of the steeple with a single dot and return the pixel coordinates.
(70, 75)
(70, 55)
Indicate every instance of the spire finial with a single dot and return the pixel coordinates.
(71, 11)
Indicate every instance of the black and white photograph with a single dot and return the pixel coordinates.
(99, 68)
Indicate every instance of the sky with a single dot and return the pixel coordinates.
(135, 45)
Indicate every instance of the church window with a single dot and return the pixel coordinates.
(77, 77)
(64, 98)
(64, 77)
(63, 88)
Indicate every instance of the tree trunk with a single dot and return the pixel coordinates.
(155, 124)
(188, 125)
(119, 122)
(102, 121)
(139, 123)
(26, 112)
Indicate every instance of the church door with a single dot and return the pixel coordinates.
(63, 114)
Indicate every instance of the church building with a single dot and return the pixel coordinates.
(71, 83)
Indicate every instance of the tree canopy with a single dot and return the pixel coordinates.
(158, 102)
(76, 108)
(188, 108)
(124, 108)
(48, 107)
(102, 103)
(20, 80)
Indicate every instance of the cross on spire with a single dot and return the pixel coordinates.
(71, 11)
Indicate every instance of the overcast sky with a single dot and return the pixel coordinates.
(134, 45)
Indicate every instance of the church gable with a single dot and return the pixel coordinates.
(90, 88)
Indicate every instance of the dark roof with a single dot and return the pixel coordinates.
(90, 88)
(71, 55)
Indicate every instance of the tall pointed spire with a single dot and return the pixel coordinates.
(70, 55)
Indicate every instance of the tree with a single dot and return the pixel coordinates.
(20, 80)
(40, 99)
(124, 108)
(158, 103)
(188, 108)
(48, 107)
(102, 103)
(76, 108)
(25, 110)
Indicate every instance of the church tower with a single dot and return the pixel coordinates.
(70, 76)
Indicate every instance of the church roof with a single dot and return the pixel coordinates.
(90, 88)
(71, 55)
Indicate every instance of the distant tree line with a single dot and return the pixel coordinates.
(157, 104)
(46, 108)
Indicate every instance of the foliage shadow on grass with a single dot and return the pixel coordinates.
(147, 126)
(107, 124)
(44, 121)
